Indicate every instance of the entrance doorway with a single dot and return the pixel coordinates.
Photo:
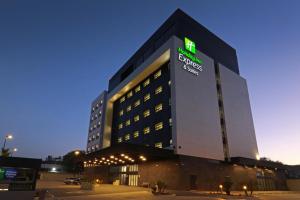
(193, 182)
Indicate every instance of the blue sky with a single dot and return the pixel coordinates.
(57, 56)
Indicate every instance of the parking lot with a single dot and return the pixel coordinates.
(60, 191)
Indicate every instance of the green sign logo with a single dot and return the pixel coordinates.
(189, 45)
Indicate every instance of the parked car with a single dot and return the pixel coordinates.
(72, 181)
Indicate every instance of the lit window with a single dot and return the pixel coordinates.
(158, 107)
(97, 146)
(147, 82)
(137, 103)
(159, 126)
(136, 134)
(122, 99)
(120, 126)
(127, 137)
(169, 82)
(136, 118)
(146, 97)
(128, 122)
(170, 121)
(121, 112)
(99, 123)
(129, 94)
(146, 113)
(158, 90)
(128, 108)
(137, 89)
(157, 74)
(146, 130)
(171, 141)
(97, 105)
(158, 145)
(119, 139)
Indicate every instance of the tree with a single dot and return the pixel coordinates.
(73, 161)
(5, 152)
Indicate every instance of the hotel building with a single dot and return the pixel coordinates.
(177, 110)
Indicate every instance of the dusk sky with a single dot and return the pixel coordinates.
(57, 56)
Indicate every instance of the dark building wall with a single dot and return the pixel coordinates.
(177, 174)
(164, 135)
(180, 25)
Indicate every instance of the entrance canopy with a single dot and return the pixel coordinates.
(121, 154)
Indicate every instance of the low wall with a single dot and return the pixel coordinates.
(293, 184)
(17, 195)
(48, 176)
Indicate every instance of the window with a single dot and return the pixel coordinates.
(121, 112)
(128, 108)
(127, 137)
(158, 90)
(158, 145)
(119, 139)
(157, 74)
(136, 118)
(98, 135)
(169, 82)
(146, 97)
(136, 134)
(146, 113)
(137, 103)
(170, 121)
(128, 122)
(129, 94)
(159, 126)
(146, 82)
(120, 126)
(147, 130)
(137, 89)
(158, 107)
(122, 99)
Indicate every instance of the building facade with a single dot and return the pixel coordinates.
(180, 94)
(95, 132)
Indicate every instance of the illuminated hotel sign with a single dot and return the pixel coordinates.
(191, 63)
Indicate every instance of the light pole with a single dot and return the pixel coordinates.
(14, 150)
(7, 137)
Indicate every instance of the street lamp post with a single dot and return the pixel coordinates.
(7, 137)
(14, 150)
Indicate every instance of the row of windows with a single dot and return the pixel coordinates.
(158, 126)
(96, 115)
(138, 88)
(95, 126)
(138, 102)
(94, 137)
(146, 113)
(93, 148)
(97, 106)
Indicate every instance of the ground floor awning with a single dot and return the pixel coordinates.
(121, 154)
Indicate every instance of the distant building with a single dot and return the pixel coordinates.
(52, 164)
